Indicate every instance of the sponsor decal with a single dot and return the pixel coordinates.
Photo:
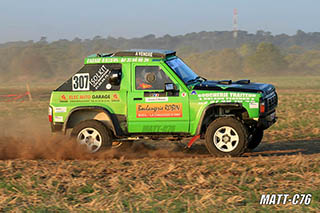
(254, 105)
(101, 60)
(183, 94)
(107, 97)
(193, 92)
(89, 98)
(227, 97)
(63, 98)
(58, 119)
(60, 109)
(157, 99)
(144, 54)
(158, 128)
(100, 76)
(80, 82)
(159, 110)
(115, 60)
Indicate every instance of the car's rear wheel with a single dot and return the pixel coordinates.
(92, 133)
(226, 136)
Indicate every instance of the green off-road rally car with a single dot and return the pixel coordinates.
(117, 98)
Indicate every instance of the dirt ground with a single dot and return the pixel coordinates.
(44, 172)
(155, 178)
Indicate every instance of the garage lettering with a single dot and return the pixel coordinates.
(101, 96)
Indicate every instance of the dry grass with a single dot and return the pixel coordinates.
(42, 173)
(299, 116)
(153, 185)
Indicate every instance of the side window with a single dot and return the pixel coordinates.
(150, 78)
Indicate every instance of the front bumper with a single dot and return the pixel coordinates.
(266, 121)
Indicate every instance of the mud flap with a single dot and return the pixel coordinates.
(192, 141)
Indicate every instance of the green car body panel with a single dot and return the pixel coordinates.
(182, 110)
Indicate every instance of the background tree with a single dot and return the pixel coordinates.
(266, 59)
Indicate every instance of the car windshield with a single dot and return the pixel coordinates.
(182, 70)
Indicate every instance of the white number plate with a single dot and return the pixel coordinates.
(80, 82)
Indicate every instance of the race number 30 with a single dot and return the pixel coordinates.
(80, 82)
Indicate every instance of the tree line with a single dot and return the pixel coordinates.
(210, 53)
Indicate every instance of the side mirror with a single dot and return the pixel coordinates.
(115, 77)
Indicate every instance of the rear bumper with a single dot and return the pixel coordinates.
(265, 122)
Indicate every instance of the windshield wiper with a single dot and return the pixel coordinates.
(191, 80)
(204, 79)
(196, 79)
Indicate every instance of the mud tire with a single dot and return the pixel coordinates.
(214, 134)
(104, 138)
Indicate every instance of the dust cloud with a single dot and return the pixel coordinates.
(31, 139)
(65, 148)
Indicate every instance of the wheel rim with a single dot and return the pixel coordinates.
(226, 139)
(91, 138)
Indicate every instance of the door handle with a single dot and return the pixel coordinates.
(137, 99)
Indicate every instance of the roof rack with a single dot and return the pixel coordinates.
(145, 53)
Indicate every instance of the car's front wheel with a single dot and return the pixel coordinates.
(92, 133)
(226, 136)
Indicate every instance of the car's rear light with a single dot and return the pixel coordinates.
(262, 107)
(50, 114)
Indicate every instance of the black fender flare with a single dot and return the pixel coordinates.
(114, 124)
(214, 105)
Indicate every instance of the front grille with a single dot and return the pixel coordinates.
(269, 91)
(272, 101)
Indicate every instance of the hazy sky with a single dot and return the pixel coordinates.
(29, 20)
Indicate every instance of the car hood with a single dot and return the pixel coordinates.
(238, 86)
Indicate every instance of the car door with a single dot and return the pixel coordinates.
(152, 109)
